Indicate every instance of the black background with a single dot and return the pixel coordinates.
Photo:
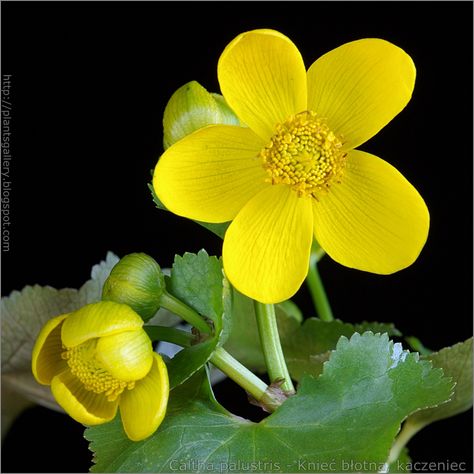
(89, 85)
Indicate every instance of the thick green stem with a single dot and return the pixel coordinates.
(239, 374)
(271, 345)
(173, 335)
(176, 306)
(406, 433)
(316, 288)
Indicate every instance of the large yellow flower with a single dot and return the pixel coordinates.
(294, 173)
(99, 358)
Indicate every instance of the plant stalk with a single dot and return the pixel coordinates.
(167, 334)
(176, 306)
(406, 433)
(239, 374)
(271, 345)
(316, 288)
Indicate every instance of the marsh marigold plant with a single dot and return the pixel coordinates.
(98, 359)
(293, 173)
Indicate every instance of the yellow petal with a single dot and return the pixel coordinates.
(82, 405)
(46, 359)
(374, 220)
(359, 87)
(143, 408)
(267, 246)
(210, 174)
(99, 319)
(263, 78)
(127, 355)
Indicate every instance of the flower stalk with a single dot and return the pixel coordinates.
(173, 335)
(239, 374)
(316, 288)
(271, 345)
(406, 433)
(176, 306)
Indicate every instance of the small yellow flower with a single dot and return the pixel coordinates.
(294, 173)
(99, 358)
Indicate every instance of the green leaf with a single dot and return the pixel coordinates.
(189, 360)
(308, 346)
(190, 108)
(23, 315)
(375, 327)
(456, 362)
(344, 419)
(218, 229)
(198, 281)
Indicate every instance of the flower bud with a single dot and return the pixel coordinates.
(191, 107)
(137, 281)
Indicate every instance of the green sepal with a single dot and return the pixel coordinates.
(137, 281)
(190, 108)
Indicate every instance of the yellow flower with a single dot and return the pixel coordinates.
(99, 358)
(294, 173)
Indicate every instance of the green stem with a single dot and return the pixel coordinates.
(316, 288)
(176, 306)
(239, 374)
(173, 335)
(318, 253)
(271, 345)
(406, 433)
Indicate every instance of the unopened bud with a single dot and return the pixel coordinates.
(190, 108)
(137, 281)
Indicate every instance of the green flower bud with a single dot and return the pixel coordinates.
(137, 281)
(191, 107)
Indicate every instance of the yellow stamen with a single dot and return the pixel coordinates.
(304, 154)
(82, 362)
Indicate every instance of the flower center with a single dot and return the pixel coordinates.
(304, 154)
(83, 364)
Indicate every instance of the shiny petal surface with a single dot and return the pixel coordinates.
(267, 246)
(82, 405)
(98, 319)
(46, 361)
(359, 87)
(211, 174)
(143, 408)
(127, 355)
(263, 78)
(374, 220)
